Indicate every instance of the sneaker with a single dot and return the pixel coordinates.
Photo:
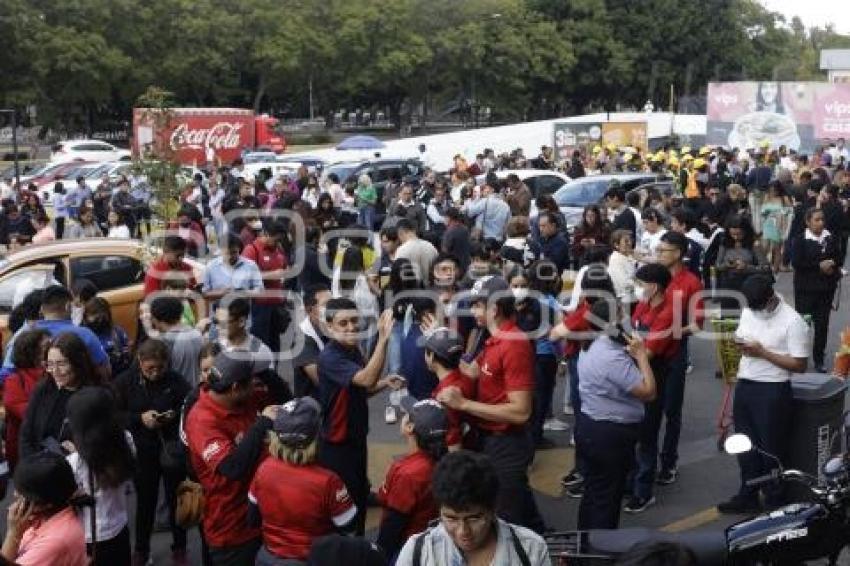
(572, 478)
(739, 505)
(667, 476)
(568, 410)
(389, 415)
(819, 368)
(575, 492)
(179, 557)
(555, 425)
(638, 504)
(690, 368)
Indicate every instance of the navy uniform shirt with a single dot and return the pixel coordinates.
(345, 410)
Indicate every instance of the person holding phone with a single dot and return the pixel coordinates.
(616, 381)
(42, 526)
(150, 396)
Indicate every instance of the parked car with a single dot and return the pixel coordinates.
(116, 267)
(578, 193)
(539, 182)
(25, 171)
(88, 150)
(65, 172)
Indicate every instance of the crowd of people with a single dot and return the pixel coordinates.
(462, 297)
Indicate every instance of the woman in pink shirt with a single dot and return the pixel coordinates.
(42, 526)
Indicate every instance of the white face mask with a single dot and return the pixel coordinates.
(520, 293)
(77, 315)
(640, 294)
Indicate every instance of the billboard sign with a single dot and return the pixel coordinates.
(570, 136)
(798, 115)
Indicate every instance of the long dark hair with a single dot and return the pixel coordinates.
(738, 221)
(74, 350)
(352, 266)
(583, 225)
(98, 437)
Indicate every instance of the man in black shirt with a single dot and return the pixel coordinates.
(456, 240)
(312, 328)
(624, 219)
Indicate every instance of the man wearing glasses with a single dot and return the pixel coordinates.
(465, 487)
(346, 381)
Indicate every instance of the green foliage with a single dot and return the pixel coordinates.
(81, 61)
(159, 162)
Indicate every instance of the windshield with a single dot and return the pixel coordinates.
(581, 192)
(342, 170)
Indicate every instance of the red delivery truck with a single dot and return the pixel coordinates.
(196, 133)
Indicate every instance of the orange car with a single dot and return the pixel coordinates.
(115, 266)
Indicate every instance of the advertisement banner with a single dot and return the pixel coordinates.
(625, 134)
(569, 136)
(832, 111)
(798, 115)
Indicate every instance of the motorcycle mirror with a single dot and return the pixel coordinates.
(737, 444)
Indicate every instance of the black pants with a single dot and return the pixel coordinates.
(113, 552)
(240, 555)
(349, 461)
(819, 306)
(608, 450)
(545, 368)
(647, 452)
(60, 226)
(511, 455)
(762, 411)
(147, 479)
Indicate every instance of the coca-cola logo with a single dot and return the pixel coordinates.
(221, 135)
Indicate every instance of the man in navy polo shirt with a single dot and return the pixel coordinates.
(56, 313)
(345, 383)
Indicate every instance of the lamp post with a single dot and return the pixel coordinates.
(14, 142)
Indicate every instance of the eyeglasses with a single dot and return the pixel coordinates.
(347, 322)
(665, 250)
(470, 521)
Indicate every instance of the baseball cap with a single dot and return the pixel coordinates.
(699, 163)
(428, 416)
(445, 343)
(487, 286)
(228, 370)
(757, 290)
(297, 422)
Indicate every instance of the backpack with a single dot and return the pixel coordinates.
(520, 551)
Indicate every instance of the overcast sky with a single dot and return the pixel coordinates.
(814, 12)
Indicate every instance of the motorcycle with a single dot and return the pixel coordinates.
(793, 534)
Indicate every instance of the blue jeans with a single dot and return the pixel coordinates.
(394, 348)
(366, 216)
(575, 403)
(647, 452)
(674, 397)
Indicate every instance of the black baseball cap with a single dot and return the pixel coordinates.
(228, 370)
(488, 286)
(428, 416)
(446, 344)
(297, 421)
(757, 290)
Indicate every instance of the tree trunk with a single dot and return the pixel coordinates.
(261, 92)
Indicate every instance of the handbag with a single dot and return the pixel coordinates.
(189, 508)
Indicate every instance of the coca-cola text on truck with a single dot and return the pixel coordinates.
(194, 134)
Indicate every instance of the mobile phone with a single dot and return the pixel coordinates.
(622, 336)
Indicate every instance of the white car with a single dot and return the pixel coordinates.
(87, 150)
(539, 182)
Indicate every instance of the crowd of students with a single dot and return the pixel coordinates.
(255, 382)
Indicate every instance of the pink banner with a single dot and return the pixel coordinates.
(832, 111)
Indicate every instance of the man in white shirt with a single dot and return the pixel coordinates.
(421, 253)
(774, 343)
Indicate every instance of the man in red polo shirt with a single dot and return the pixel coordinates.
(169, 266)
(226, 441)
(269, 317)
(502, 404)
(684, 294)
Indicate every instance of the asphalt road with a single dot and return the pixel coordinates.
(707, 476)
